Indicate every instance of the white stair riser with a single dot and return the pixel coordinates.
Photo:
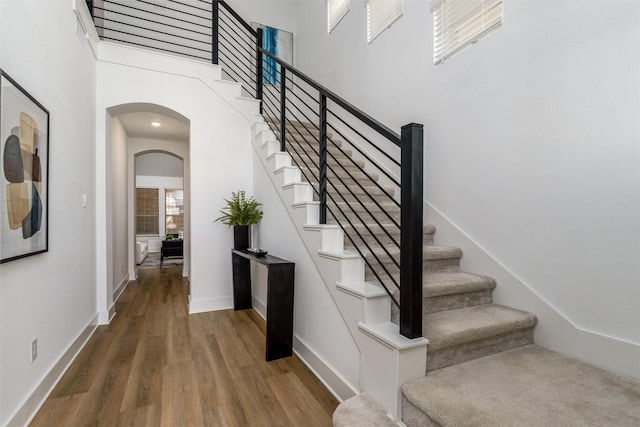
(278, 160)
(287, 175)
(298, 192)
(327, 239)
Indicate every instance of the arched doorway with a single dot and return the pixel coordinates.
(139, 129)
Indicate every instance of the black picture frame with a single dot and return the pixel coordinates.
(24, 172)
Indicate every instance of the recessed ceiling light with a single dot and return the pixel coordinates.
(155, 124)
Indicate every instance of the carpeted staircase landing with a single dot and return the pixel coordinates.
(527, 386)
(524, 387)
(482, 369)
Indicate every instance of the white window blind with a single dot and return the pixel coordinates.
(380, 15)
(336, 10)
(458, 23)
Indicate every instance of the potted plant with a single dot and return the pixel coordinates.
(241, 212)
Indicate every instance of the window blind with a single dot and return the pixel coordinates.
(336, 10)
(146, 211)
(380, 15)
(458, 23)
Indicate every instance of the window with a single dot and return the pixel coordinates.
(147, 211)
(336, 10)
(458, 23)
(174, 212)
(380, 15)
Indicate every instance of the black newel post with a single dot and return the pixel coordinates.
(283, 110)
(214, 32)
(322, 165)
(259, 69)
(411, 230)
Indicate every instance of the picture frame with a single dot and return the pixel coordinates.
(279, 43)
(24, 173)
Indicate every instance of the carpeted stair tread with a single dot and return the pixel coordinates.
(437, 284)
(384, 225)
(455, 327)
(361, 411)
(528, 386)
(429, 252)
(370, 206)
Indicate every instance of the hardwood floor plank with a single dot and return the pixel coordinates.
(155, 365)
(144, 386)
(233, 349)
(299, 404)
(178, 340)
(101, 404)
(147, 416)
(219, 397)
(263, 406)
(60, 411)
(180, 399)
(84, 369)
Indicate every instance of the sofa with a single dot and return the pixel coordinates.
(142, 250)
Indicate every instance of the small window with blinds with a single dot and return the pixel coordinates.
(459, 23)
(336, 10)
(147, 211)
(174, 211)
(380, 15)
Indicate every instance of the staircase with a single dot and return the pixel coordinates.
(475, 348)
(459, 317)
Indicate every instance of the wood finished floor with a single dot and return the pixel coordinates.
(155, 365)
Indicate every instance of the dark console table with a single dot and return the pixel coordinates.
(171, 248)
(279, 298)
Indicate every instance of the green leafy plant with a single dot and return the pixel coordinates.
(240, 210)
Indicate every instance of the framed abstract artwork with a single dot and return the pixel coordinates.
(24, 178)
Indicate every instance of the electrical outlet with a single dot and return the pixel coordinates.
(34, 350)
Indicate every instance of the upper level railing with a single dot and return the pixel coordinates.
(356, 165)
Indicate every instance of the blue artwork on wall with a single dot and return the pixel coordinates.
(280, 44)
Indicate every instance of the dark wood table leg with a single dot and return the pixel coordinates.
(241, 282)
(280, 311)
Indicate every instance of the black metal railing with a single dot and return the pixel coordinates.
(205, 30)
(176, 27)
(353, 162)
(236, 47)
(366, 177)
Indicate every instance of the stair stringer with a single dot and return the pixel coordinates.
(364, 307)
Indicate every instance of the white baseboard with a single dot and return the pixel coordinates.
(336, 385)
(120, 289)
(38, 396)
(104, 317)
(259, 307)
(210, 304)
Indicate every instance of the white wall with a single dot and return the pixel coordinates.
(274, 13)
(120, 244)
(218, 133)
(531, 148)
(159, 164)
(50, 296)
